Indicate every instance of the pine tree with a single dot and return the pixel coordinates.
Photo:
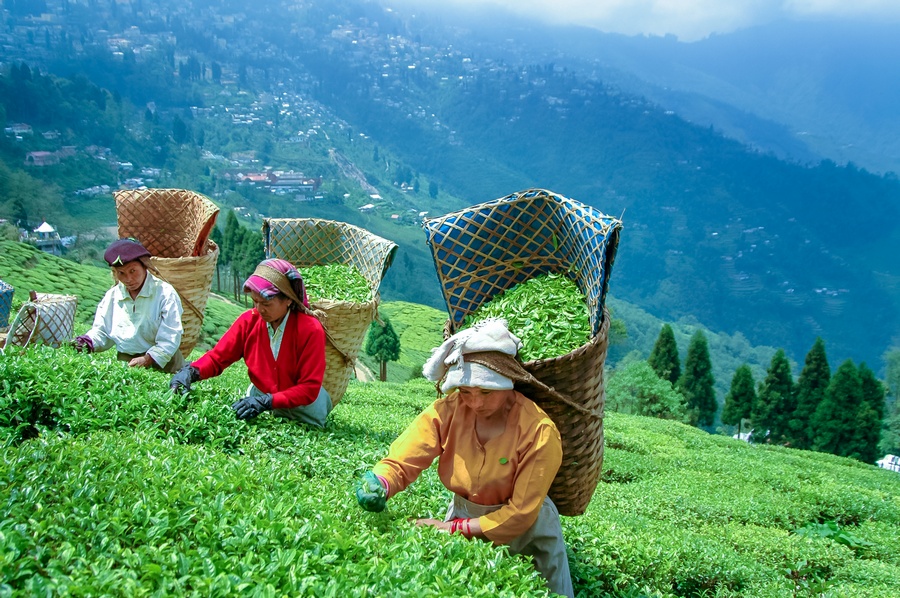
(383, 344)
(775, 403)
(664, 357)
(866, 434)
(890, 436)
(873, 390)
(870, 416)
(696, 382)
(892, 373)
(740, 398)
(811, 387)
(836, 416)
(230, 237)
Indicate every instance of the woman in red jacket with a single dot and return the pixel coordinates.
(281, 342)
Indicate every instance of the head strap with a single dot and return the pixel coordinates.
(279, 280)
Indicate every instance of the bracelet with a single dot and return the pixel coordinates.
(468, 532)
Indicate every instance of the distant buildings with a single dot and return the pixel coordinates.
(278, 181)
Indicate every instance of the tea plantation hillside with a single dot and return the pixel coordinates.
(111, 485)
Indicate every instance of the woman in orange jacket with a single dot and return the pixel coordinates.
(497, 451)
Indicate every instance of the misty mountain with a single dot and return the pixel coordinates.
(802, 90)
(715, 230)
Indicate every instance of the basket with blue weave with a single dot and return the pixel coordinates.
(483, 250)
(309, 242)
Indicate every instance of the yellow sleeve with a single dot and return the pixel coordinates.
(541, 456)
(414, 450)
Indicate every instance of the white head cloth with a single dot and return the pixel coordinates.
(449, 359)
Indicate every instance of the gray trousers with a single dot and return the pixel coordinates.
(543, 541)
(313, 414)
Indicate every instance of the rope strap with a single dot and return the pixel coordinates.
(509, 366)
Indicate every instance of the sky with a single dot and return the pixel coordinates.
(689, 20)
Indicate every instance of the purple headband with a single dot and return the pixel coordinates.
(259, 280)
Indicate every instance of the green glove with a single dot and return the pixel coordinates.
(370, 493)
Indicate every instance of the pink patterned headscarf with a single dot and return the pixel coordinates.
(267, 273)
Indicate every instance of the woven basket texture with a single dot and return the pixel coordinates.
(315, 242)
(192, 278)
(48, 319)
(578, 375)
(168, 222)
(6, 297)
(174, 225)
(481, 251)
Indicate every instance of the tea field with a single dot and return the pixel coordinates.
(112, 485)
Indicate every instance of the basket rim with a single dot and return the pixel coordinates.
(610, 227)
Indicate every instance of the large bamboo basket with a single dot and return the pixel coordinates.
(315, 242)
(6, 297)
(47, 319)
(174, 225)
(488, 248)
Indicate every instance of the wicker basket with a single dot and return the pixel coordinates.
(174, 225)
(314, 242)
(46, 319)
(488, 248)
(6, 297)
(168, 222)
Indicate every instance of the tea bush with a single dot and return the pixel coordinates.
(111, 485)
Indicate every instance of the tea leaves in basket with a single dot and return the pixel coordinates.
(548, 313)
(337, 282)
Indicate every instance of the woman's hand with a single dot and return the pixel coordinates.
(443, 526)
(470, 528)
(144, 361)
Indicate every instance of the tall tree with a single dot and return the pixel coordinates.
(180, 131)
(251, 253)
(892, 373)
(873, 390)
(696, 382)
(811, 387)
(231, 237)
(740, 398)
(890, 436)
(664, 356)
(775, 402)
(383, 344)
(870, 415)
(835, 418)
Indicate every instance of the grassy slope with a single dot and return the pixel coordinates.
(130, 490)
